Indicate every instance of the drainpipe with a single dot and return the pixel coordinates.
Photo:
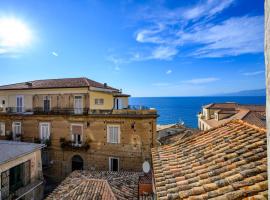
(267, 69)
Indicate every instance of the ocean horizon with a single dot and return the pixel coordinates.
(185, 109)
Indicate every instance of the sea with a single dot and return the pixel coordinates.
(185, 109)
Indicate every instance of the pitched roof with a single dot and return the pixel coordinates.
(97, 185)
(15, 150)
(57, 83)
(227, 105)
(227, 162)
(174, 133)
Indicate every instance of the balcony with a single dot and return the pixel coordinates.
(71, 145)
(18, 110)
(61, 111)
(130, 110)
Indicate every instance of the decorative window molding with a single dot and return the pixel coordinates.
(44, 130)
(77, 134)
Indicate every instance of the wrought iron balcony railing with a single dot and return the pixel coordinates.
(62, 111)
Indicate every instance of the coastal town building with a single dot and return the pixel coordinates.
(226, 162)
(20, 170)
(85, 125)
(215, 114)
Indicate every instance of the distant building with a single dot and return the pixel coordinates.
(227, 162)
(167, 134)
(20, 170)
(101, 185)
(85, 125)
(215, 114)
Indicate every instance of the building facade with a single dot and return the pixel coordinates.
(20, 170)
(85, 124)
(215, 114)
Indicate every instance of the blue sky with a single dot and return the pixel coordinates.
(147, 48)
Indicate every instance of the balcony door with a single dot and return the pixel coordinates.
(78, 105)
(118, 103)
(47, 104)
(19, 103)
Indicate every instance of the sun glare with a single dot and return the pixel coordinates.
(14, 33)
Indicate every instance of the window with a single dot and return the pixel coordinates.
(3, 102)
(19, 104)
(78, 105)
(44, 131)
(99, 101)
(113, 164)
(113, 134)
(2, 128)
(47, 104)
(76, 134)
(17, 129)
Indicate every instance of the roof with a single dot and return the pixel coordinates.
(97, 185)
(253, 114)
(256, 118)
(57, 83)
(228, 105)
(227, 162)
(174, 133)
(14, 150)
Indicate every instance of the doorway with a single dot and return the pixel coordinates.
(77, 163)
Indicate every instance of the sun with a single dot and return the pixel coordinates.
(14, 33)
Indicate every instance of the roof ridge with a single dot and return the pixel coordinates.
(239, 121)
(110, 189)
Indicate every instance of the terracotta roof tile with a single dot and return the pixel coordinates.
(97, 185)
(57, 83)
(227, 162)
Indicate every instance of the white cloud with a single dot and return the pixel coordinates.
(207, 8)
(201, 80)
(253, 73)
(170, 30)
(232, 37)
(169, 71)
(164, 53)
(54, 53)
(150, 35)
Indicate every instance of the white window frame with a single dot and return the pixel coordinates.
(78, 110)
(99, 101)
(40, 130)
(13, 128)
(17, 107)
(73, 135)
(108, 133)
(110, 161)
(47, 97)
(3, 125)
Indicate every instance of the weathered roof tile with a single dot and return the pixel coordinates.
(227, 162)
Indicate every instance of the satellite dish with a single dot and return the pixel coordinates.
(146, 167)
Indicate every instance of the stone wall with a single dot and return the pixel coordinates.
(137, 137)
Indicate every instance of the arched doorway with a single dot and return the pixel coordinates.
(77, 163)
